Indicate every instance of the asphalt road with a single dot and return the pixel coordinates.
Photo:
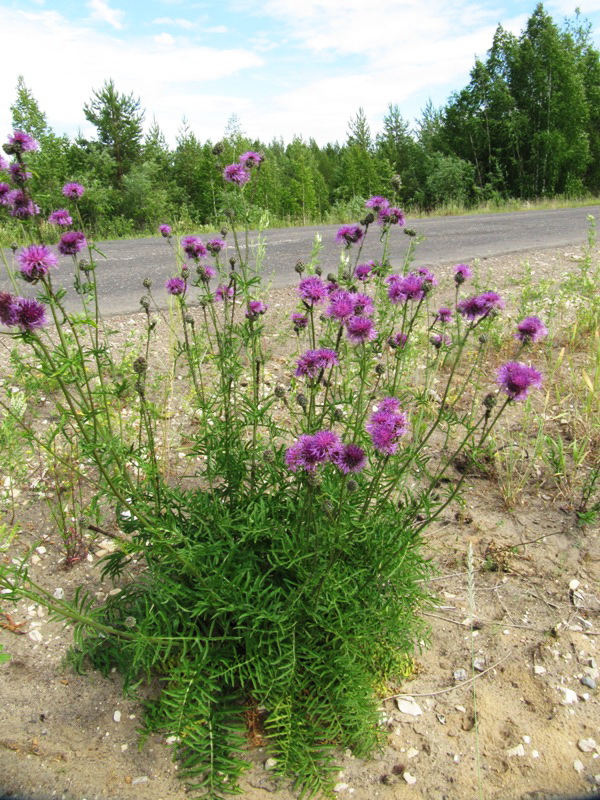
(446, 240)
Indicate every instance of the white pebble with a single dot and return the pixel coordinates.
(58, 593)
(270, 764)
(574, 585)
(535, 754)
(141, 779)
(407, 705)
(519, 750)
(586, 745)
(41, 550)
(527, 739)
(35, 635)
(570, 695)
(340, 787)
(539, 670)
(124, 747)
(410, 779)
(117, 716)
(412, 752)
(578, 766)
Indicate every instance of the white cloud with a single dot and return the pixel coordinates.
(102, 12)
(164, 38)
(179, 22)
(75, 59)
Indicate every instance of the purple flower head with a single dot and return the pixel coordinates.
(349, 235)
(235, 173)
(312, 290)
(255, 308)
(398, 341)
(5, 191)
(405, 287)
(205, 272)
(311, 363)
(516, 379)
(300, 321)
(350, 458)
(73, 190)
(3, 164)
(377, 203)
(530, 330)
(324, 445)
(23, 142)
(19, 173)
(8, 309)
(462, 273)
(71, 243)
(363, 271)
(30, 313)
(35, 261)
(251, 159)
(363, 304)
(444, 315)
(360, 330)
(214, 246)
(223, 292)
(427, 276)
(341, 305)
(310, 451)
(193, 247)
(165, 230)
(391, 216)
(61, 218)
(480, 305)
(21, 206)
(176, 286)
(439, 340)
(387, 425)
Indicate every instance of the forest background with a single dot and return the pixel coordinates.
(527, 126)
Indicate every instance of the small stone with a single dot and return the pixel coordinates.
(407, 705)
(410, 779)
(58, 593)
(127, 779)
(441, 718)
(589, 682)
(570, 696)
(35, 560)
(460, 674)
(340, 787)
(574, 585)
(479, 664)
(456, 759)
(578, 766)
(117, 716)
(535, 754)
(412, 752)
(124, 748)
(527, 739)
(270, 764)
(539, 670)
(140, 779)
(586, 745)
(172, 739)
(462, 709)
(597, 779)
(41, 550)
(519, 750)
(35, 635)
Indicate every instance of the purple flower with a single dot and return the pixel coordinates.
(19, 173)
(73, 190)
(480, 305)
(462, 273)
(8, 309)
(516, 379)
(235, 173)
(300, 321)
(341, 305)
(440, 339)
(5, 191)
(205, 272)
(350, 458)
(530, 330)
(165, 230)
(398, 341)
(427, 276)
(215, 246)
(193, 247)
(444, 315)
(324, 445)
(377, 203)
(61, 218)
(71, 243)
(363, 271)
(391, 216)
(363, 304)
(405, 287)
(310, 451)
(312, 362)
(176, 286)
(30, 313)
(349, 234)
(312, 290)
(255, 308)
(251, 159)
(387, 425)
(21, 206)
(360, 330)
(224, 292)
(35, 261)
(23, 142)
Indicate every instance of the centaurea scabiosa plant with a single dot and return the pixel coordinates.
(281, 570)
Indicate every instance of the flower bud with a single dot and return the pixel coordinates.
(368, 220)
(300, 267)
(145, 302)
(410, 232)
(147, 283)
(301, 400)
(338, 414)
(189, 319)
(318, 271)
(483, 338)
(331, 277)
(14, 247)
(280, 391)
(185, 273)
(379, 369)
(224, 231)
(352, 486)
(140, 365)
(396, 182)
(489, 401)
(269, 456)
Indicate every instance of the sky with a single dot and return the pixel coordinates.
(285, 68)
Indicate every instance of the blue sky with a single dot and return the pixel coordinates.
(284, 67)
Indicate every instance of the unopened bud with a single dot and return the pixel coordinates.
(300, 267)
(269, 456)
(338, 414)
(368, 220)
(379, 369)
(280, 391)
(140, 365)
(147, 283)
(185, 273)
(483, 338)
(318, 271)
(352, 486)
(14, 247)
(145, 302)
(331, 277)
(410, 232)
(224, 231)
(301, 400)
(189, 319)
(489, 401)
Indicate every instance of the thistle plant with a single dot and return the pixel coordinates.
(279, 570)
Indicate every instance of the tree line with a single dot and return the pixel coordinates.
(526, 126)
